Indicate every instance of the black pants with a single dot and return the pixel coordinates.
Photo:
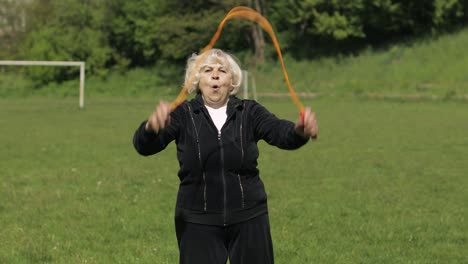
(247, 242)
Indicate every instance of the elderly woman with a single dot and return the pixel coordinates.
(221, 209)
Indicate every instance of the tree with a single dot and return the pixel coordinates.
(312, 27)
(257, 32)
(171, 30)
(12, 26)
(140, 33)
(72, 30)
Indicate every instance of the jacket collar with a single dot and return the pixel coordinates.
(234, 103)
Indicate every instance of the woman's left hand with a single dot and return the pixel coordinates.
(307, 126)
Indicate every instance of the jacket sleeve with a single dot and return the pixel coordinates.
(275, 131)
(148, 143)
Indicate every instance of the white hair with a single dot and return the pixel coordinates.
(196, 62)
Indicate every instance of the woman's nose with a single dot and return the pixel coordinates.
(215, 76)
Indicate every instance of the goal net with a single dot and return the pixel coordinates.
(80, 64)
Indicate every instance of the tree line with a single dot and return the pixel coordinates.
(121, 34)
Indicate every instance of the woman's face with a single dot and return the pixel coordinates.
(215, 84)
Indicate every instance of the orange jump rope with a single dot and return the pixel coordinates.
(254, 16)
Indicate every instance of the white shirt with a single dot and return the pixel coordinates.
(218, 116)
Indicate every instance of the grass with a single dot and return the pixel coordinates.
(385, 183)
(424, 68)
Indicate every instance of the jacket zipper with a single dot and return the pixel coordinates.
(241, 138)
(241, 189)
(199, 158)
(242, 153)
(223, 177)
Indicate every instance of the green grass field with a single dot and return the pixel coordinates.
(385, 183)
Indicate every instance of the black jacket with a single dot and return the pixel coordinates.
(219, 179)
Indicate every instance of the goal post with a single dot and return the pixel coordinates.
(81, 64)
(245, 85)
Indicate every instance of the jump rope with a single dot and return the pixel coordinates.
(252, 15)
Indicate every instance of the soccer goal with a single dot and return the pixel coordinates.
(245, 85)
(81, 64)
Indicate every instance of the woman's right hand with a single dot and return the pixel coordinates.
(160, 118)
